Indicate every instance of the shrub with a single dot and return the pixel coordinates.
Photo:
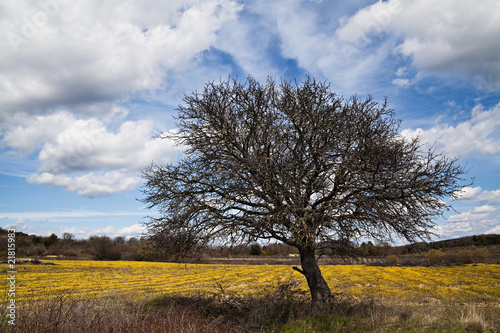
(104, 248)
(32, 250)
(435, 256)
(463, 257)
(479, 255)
(255, 250)
(392, 259)
(70, 253)
(52, 239)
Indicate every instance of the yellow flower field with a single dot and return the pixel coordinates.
(477, 284)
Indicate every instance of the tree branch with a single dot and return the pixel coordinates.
(295, 268)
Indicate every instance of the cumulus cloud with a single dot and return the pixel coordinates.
(67, 69)
(61, 52)
(135, 230)
(446, 37)
(481, 218)
(475, 137)
(491, 197)
(467, 192)
(475, 221)
(47, 222)
(478, 135)
(85, 156)
(476, 194)
(91, 184)
(111, 231)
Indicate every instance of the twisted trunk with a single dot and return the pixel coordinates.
(320, 292)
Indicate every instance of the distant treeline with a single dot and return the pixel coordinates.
(144, 249)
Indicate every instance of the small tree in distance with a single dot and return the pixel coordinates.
(298, 164)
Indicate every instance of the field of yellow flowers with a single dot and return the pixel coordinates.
(478, 284)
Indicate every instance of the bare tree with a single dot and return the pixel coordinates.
(298, 164)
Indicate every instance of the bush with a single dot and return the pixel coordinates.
(32, 250)
(479, 255)
(255, 250)
(104, 248)
(108, 254)
(435, 257)
(52, 239)
(470, 256)
(70, 253)
(392, 259)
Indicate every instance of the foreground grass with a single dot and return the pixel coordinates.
(282, 309)
(89, 296)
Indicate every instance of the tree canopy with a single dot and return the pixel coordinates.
(297, 163)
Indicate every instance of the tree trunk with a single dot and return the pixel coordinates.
(320, 292)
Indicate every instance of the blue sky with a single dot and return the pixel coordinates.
(85, 85)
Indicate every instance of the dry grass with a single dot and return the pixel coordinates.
(284, 308)
(68, 314)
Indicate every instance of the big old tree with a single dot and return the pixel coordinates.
(298, 164)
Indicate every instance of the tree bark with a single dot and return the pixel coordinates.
(320, 292)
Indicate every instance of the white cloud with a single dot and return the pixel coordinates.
(483, 209)
(476, 221)
(401, 82)
(369, 21)
(92, 222)
(23, 225)
(87, 51)
(491, 197)
(110, 231)
(31, 132)
(478, 135)
(84, 156)
(300, 36)
(476, 194)
(401, 71)
(448, 37)
(307, 34)
(248, 41)
(135, 229)
(67, 66)
(40, 215)
(89, 185)
(467, 192)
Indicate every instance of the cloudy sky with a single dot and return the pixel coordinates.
(86, 84)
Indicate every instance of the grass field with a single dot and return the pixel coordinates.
(477, 284)
(470, 287)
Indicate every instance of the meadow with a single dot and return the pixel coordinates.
(471, 292)
(467, 283)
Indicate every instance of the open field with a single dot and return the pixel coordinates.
(392, 296)
(478, 284)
